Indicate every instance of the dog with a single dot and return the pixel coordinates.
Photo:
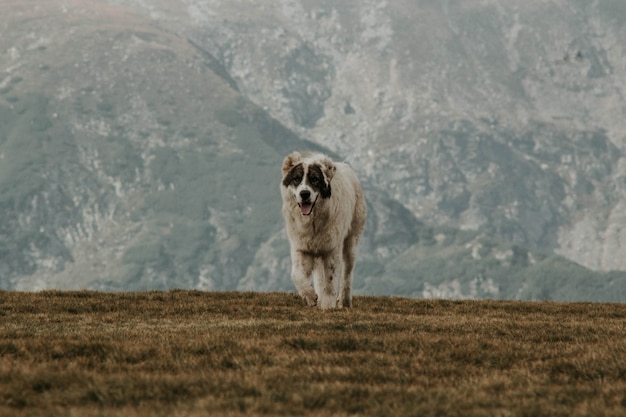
(324, 210)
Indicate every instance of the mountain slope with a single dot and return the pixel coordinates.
(140, 146)
(140, 168)
(132, 162)
(472, 114)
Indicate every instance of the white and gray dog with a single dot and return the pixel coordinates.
(324, 211)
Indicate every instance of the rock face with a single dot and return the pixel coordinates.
(508, 118)
(140, 142)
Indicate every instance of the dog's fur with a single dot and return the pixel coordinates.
(324, 211)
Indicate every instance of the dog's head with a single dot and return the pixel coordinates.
(306, 178)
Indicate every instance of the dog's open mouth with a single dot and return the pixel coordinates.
(306, 207)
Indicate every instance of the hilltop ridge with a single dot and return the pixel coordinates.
(198, 353)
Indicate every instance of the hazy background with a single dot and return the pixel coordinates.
(141, 142)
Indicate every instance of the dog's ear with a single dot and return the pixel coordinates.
(329, 168)
(291, 161)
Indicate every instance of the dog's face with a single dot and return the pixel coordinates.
(306, 178)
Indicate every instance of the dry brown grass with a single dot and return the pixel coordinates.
(196, 353)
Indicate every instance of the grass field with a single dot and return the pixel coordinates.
(196, 353)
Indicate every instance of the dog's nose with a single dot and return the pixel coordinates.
(305, 195)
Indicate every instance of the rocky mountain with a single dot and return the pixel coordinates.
(140, 142)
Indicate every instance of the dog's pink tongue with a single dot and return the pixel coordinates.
(306, 208)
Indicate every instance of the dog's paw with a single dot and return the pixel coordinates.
(327, 301)
(310, 298)
(344, 302)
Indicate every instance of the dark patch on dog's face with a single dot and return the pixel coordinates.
(294, 176)
(316, 178)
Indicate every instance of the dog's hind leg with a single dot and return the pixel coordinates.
(345, 286)
(301, 270)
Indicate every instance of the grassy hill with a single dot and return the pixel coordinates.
(233, 353)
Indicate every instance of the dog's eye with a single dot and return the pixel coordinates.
(297, 179)
(315, 180)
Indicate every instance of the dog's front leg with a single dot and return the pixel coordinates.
(301, 270)
(328, 284)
